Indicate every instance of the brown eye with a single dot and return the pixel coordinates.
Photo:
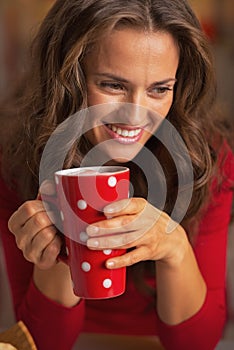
(162, 90)
(111, 85)
(159, 91)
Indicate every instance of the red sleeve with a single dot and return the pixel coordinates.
(52, 325)
(204, 329)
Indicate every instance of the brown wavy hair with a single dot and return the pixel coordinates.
(54, 88)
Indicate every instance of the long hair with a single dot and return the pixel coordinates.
(54, 88)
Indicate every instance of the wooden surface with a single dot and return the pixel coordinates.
(18, 336)
(89, 341)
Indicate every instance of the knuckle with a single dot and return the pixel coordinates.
(133, 259)
(125, 239)
(106, 225)
(126, 221)
(48, 234)
(12, 225)
(30, 254)
(21, 242)
(104, 242)
(53, 250)
(49, 257)
(151, 250)
(29, 208)
(138, 204)
(141, 201)
(41, 220)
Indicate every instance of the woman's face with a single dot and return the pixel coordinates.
(134, 73)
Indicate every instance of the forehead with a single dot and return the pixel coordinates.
(131, 49)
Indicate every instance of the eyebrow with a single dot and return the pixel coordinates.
(115, 77)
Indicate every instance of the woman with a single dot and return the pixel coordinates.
(152, 55)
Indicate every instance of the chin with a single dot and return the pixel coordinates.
(122, 154)
(114, 159)
(118, 161)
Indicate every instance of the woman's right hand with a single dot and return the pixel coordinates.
(35, 233)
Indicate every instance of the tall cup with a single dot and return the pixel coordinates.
(81, 195)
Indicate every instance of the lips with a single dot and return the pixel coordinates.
(124, 134)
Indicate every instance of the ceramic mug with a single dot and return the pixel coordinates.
(81, 195)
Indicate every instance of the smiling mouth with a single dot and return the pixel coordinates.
(124, 132)
(126, 135)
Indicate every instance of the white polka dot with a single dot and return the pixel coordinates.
(62, 216)
(107, 283)
(107, 251)
(82, 205)
(86, 267)
(67, 251)
(83, 237)
(112, 181)
(57, 180)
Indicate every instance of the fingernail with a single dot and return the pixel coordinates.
(110, 264)
(92, 243)
(109, 209)
(92, 230)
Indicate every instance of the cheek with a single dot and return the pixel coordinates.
(93, 98)
(96, 97)
(165, 106)
(91, 137)
(146, 137)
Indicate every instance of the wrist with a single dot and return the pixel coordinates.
(56, 284)
(178, 248)
(181, 289)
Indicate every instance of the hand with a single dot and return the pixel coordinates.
(134, 223)
(34, 232)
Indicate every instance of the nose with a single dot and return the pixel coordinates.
(137, 108)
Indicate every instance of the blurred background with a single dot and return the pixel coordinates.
(19, 21)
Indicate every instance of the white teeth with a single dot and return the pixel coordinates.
(131, 133)
(124, 132)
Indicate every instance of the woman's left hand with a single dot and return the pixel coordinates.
(135, 223)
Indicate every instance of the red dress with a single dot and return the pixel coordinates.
(54, 326)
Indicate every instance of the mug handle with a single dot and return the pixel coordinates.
(54, 200)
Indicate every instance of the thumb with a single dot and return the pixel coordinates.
(47, 188)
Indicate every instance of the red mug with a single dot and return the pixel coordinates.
(81, 195)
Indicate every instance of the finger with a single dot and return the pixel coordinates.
(25, 234)
(50, 254)
(128, 259)
(125, 206)
(47, 195)
(119, 224)
(48, 188)
(34, 249)
(23, 214)
(123, 240)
